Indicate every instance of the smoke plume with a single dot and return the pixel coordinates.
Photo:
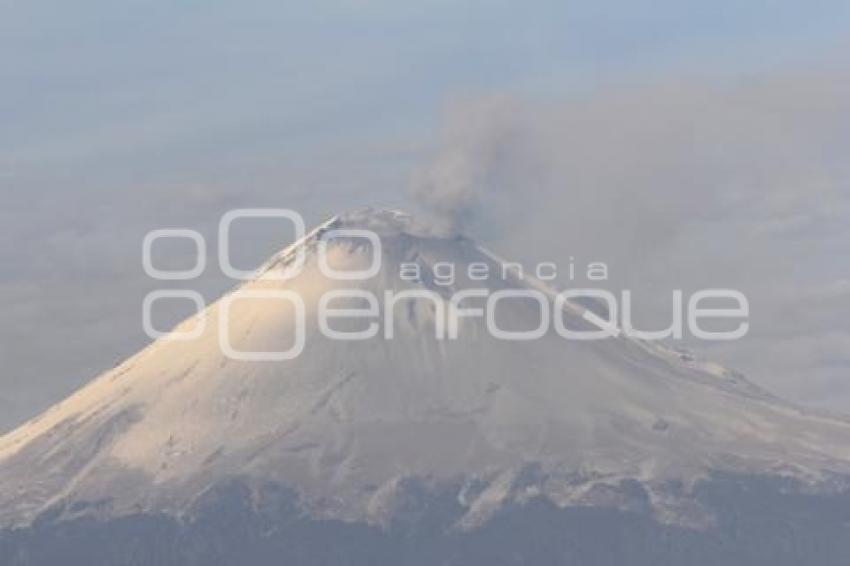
(477, 151)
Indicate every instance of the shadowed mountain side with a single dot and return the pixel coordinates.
(762, 524)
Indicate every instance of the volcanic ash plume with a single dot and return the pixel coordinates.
(472, 160)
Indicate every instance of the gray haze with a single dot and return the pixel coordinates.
(678, 184)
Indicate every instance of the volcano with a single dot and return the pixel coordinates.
(417, 449)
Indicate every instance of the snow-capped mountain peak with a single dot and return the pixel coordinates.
(348, 424)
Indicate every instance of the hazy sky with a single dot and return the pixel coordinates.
(682, 141)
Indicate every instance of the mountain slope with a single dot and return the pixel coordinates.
(363, 431)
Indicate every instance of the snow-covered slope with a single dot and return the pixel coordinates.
(346, 423)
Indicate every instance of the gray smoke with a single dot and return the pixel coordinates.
(677, 184)
(477, 151)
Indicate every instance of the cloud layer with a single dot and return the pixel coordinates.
(678, 184)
